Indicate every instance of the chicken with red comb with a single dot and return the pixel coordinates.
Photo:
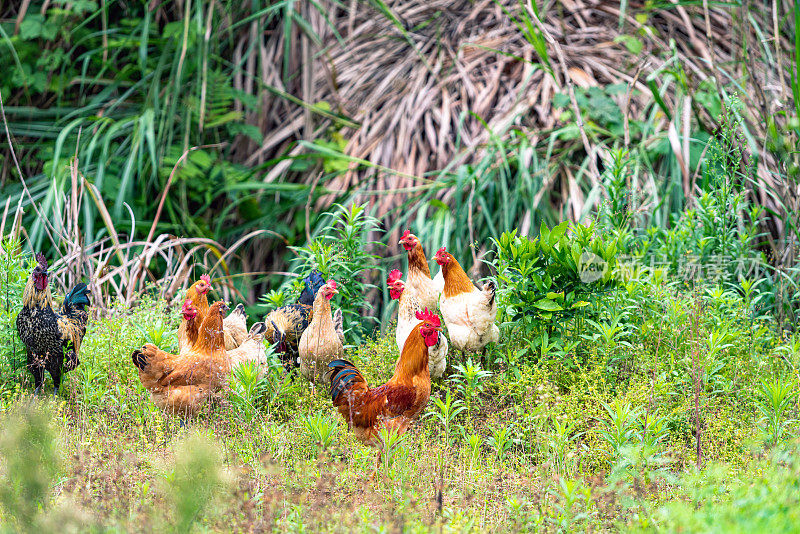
(52, 336)
(469, 313)
(397, 403)
(408, 317)
(197, 295)
(234, 325)
(181, 383)
(419, 282)
(320, 342)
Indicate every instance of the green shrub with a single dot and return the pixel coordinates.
(14, 271)
(195, 482)
(321, 428)
(339, 251)
(549, 279)
(262, 388)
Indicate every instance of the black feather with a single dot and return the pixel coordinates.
(78, 297)
(313, 282)
(139, 360)
(52, 346)
(493, 289)
(297, 318)
(343, 374)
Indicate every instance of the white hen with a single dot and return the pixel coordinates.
(468, 312)
(252, 348)
(408, 307)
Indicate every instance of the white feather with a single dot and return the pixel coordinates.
(470, 320)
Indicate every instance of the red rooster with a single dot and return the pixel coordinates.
(397, 403)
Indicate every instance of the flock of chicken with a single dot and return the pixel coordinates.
(307, 335)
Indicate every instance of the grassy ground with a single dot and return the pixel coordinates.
(601, 437)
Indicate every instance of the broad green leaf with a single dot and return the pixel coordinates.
(548, 305)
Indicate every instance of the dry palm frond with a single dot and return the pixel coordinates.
(429, 82)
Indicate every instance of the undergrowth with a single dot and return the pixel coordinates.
(595, 429)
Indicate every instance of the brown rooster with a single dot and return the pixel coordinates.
(407, 310)
(179, 383)
(397, 403)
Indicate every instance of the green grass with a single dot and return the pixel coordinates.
(665, 400)
(601, 438)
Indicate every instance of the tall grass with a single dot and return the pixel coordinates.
(155, 106)
(212, 120)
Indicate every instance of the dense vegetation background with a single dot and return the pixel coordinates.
(146, 142)
(236, 126)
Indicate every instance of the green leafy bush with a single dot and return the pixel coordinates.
(257, 389)
(340, 251)
(14, 272)
(321, 428)
(550, 278)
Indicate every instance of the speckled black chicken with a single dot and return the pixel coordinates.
(286, 324)
(52, 338)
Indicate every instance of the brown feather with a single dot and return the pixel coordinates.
(211, 337)
(394, 405)
(319, 343)
(456, 280)
(199, 301)
(413, 358)
(417, 260)
(36, 299)
(180, 383)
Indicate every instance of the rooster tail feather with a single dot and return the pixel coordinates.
(277, 333)
(338, 324)
(343, 376)
(78, 297)
(490, 288)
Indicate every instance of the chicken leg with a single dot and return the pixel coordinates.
(38, 379)
(56, 382)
